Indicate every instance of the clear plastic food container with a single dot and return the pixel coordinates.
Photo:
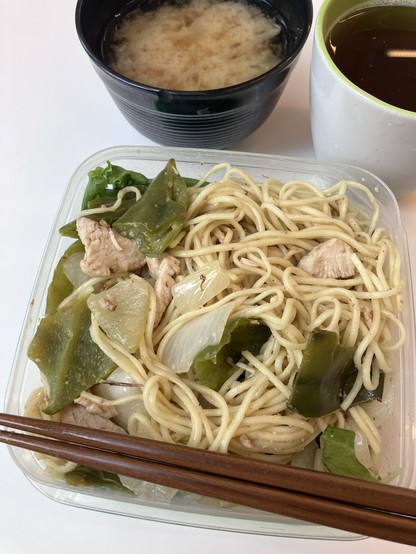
(186, 509)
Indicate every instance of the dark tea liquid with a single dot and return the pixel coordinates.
(375, 47)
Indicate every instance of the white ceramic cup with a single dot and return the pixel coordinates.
(351, 126)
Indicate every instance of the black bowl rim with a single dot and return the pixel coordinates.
(187, 94)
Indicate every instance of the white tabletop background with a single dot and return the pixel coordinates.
(54, 112)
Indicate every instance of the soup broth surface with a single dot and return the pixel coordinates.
(198, 45)
(375, 48)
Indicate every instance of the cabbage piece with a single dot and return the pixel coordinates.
(194, 336)
(108, 181)
(215, 364)
(198, 288)
(338, 454)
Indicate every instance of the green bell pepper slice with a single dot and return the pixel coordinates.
(84, 476)
(317, 390)
(67, 356)
(216, 363)
(363, 395)
(106, 182)
(158, 216)
(110, 216)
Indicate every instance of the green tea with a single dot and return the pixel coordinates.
(375, 48)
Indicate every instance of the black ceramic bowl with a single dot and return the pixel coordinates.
(204, 119)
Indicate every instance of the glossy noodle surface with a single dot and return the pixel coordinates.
(254, 252)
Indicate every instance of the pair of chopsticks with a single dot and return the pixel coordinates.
(372, 509)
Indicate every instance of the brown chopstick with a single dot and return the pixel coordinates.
(335, 501)
(375, 495)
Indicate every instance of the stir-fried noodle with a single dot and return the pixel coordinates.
(257, 233)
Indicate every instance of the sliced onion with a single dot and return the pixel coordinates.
(361, 447)
(382, 411)
(306, 457)
(198, 288)
(143, 489)
(73, 271)
(120, 385)
(194, 336)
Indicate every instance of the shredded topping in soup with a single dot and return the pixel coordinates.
(201, 45)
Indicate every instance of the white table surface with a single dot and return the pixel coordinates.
(54, 112)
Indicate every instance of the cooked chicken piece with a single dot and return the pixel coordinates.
(219, 235)
(164, 269)
(78, 415)
(329, 260)
(261, 441)
(96, 408)
(246, 442)
(275, 252)
(106, 251)
(367, 315)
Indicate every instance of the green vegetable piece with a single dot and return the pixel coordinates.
(190, 182)
(61, 286)
(338, 454)
(102, 188)
(67, 356)
(108, 181)
(158, 216)
(318, 385)
(363, 395)
(83, 476)
(110, 216)
(216, 363)
(129, 198)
